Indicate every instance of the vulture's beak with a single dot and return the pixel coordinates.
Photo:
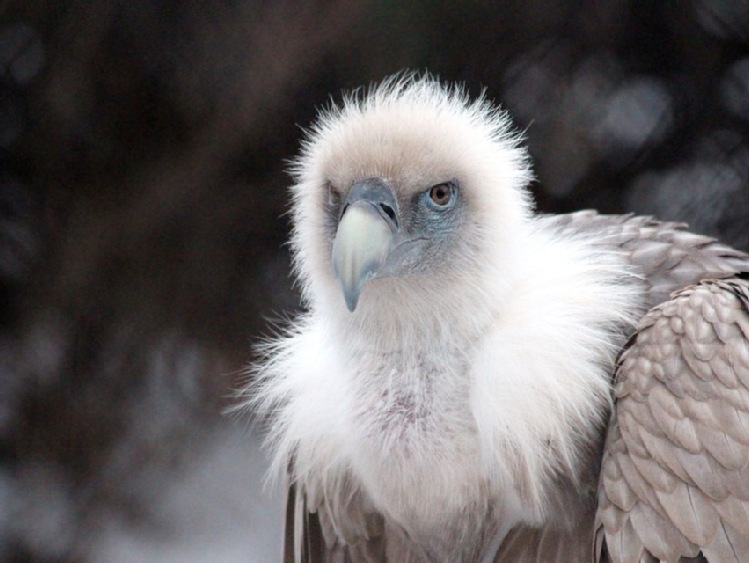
(368, 230)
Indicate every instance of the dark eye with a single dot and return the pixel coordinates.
(441, 194)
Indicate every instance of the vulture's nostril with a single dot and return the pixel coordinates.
(390, 212)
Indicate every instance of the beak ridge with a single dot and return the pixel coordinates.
(363, 242)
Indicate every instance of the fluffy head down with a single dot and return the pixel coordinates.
(414, 132)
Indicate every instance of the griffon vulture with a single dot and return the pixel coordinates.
(475, 382)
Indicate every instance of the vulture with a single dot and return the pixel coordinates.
(474, 381)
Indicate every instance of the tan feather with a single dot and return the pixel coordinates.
(696, 437)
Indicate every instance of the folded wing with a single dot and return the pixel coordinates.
(675, 472)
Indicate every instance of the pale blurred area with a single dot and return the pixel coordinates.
(142, 226)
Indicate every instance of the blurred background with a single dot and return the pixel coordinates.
(142, 193)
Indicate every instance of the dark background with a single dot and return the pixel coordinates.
(142, 193)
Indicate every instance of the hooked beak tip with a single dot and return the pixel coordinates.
(352, 299)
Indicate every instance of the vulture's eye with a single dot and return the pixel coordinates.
(442, 195)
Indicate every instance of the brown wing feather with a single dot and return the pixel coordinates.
(675, 473)
(303, 537)
(548, 545)
(663, 253)
(357, 537)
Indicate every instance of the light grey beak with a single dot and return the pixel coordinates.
(366, 236)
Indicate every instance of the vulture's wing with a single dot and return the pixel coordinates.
(548, 545)
(664, 253)
(312, 534)
(675, 472)
(304, 542)
(319, 530)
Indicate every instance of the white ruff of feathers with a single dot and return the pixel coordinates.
(440, 392)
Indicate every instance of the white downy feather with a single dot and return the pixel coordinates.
(470, 388)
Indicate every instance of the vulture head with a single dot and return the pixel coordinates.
(403, 193)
